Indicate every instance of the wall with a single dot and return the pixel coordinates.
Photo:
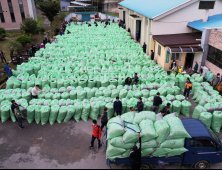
(215, 39)
(64, 4)
(92, 16)
(204, 44)
(213, 68)
(31, 7)
(176, 22)
(103, 16)
(161, 60)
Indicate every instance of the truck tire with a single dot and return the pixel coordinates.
(201, 165)
(144, 166)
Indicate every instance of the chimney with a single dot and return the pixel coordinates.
(205, 15)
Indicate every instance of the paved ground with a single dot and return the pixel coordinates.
(62, 145)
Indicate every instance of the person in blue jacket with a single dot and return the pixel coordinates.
(196, 67)
(8, 70)
(117, 106)
(137, 36)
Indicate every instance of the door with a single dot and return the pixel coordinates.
(189, 60)
(189, 156)
(207, 149)
(124, 15)
(85, 18)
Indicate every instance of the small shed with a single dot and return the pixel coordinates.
(64, 5)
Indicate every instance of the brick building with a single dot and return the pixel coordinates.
(13, 11)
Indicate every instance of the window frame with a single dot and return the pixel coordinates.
(206, 4)
(21, 8)
(159, 49)
(209, 139)
(2, 18)
(213, 55)
(11, 10)
(171, 59)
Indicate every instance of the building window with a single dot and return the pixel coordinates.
(63, 8)
(175, 56)
(206, 4)
(159, 50)
(21, 9)
(1, 14)
(11, 10)
(215, 56)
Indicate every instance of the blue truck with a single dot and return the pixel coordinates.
(204, 147)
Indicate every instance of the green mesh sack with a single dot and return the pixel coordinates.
(185, 109)
(38, 114)
(53, 84)
(115, 128)
(56, 96)
(218, 106)
(173, 143)
(55, 102)
(161, 152)
(69, 102)
(5, 113)
(130, 94)
(45, 111)
(148, 105)
(91, 83)
(115, 93)
(154, 92)
(196, 113)
(162, 129)
(48, 95)
(177, 129)
(180, 98)
(62, 114)
(162, 92)
(123, 93)
(66, 83)
(81, 95)
(94, 112)
(148, 132)
(170, 97)
(85, 110)
(9, 84)
(30, 84)
(177, 107)
(147, 152)
(30, 113)
(17, 84)
(176, 90)
(99, 93)
(210, 107)
(60, 83)
(118, 142)
(138, 94)
(42, 96)
(170, 91)
(124, 105)
(65, 96)
(54, 113)
(54, 90)
(74, 83)
(113, 152)
(177, 152)
(107, 93)
(148, 145)
(110, 110)
(165, 118)
(26, 96)
(128, 117)
(73, 95)
(78, 107)
(199, 96)
(113, 82)
(145, 93)
(90, 93)
(131, 136)
(206, 118)
(70, 113)
(144, 115)
(216, 121)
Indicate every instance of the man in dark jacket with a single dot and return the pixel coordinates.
(152, 55)
(157, 101)
(117, 106)
(18, 60)
(215, 81)
(144, 47)
(196, 67)
(104, 118)
(136, 155)
(128, 81)
(136, 79)
(139, 106)
(13, 106)
(166, 110)
(33, 50)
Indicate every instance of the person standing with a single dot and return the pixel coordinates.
(137, 36)
(13, 106)
(19, 117)
(215, 81)
(166, 110)
(11, 50)
(157, 101)
(30, 51)
(35, 92)
(96, 134)
(135, 155)
(33, 50)
(152, 55)
(117, 106)
(196, 67)
(128, 81)
(3, 56)
(42, 45)
(173, 64)
(38, 47)
(161, 165)
(188, 87)
(104, 118)
(140, 105)
(8, 70)
(136, 79)
(144, 47)
(18, 59)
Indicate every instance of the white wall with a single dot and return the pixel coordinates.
(103, 16)
(79, 16)
(92, 15)
(198, 58)
(32, 10)
(176, 22)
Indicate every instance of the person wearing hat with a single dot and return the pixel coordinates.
(136, 155)
(161, 165)
(36, 91)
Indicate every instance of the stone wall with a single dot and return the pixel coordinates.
(213, 68)
(215, 39)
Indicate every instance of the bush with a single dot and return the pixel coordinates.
(23, 40)
(29, 26)
(42, 30)
(15, 44)
(2, 33)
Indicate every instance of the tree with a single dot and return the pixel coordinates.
(49, 8)
(23, 40)
(40, 21)
(2, 33)
(29, 26)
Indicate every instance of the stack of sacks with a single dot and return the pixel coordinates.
(161, 137)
